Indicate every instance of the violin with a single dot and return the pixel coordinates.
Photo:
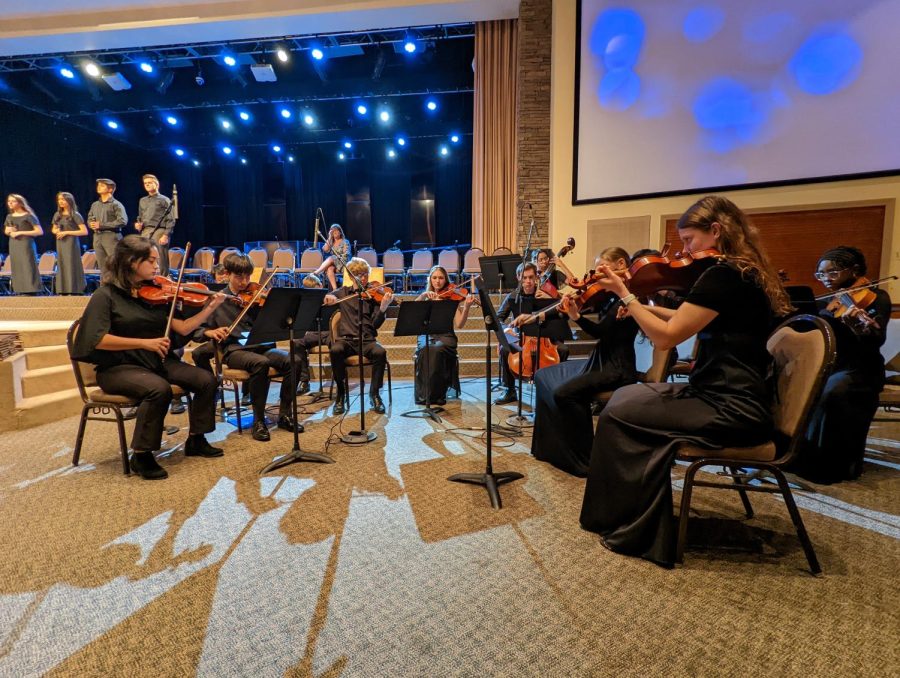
(375, 291)
(647, 275)
(249, 295)
(454, 292)
(859, 295)
(544, 283)
(161, 290)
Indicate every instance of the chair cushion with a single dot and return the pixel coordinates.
(890, 395)
(98, 395)
(354, 360)
(764, 452)
(177, 391)
(232, 374)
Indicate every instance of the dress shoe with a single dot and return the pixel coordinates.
(261, 432)
(129, 413)
(339, 405)
(509, 396)
(144, 464)
(198, 446)
(440, 402)
(245, 400)
(377, 403)
(177, 406)
(287, 424)
(303, 388)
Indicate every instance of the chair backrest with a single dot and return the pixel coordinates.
(89, 260)
(334, 323)
(85, 373)
(392, 260)
(284, 258)
(470, 260)
(204, 258)
(803, 348)
(225, 252)
(311, 259)
(369, 254)
(658, 371)
(449, 259)
(176, 254)
(259, 257)
(422, 260)
(47, 263)
(7, 265)
(501, 250)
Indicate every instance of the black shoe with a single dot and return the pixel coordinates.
(261, 432)
(198, 446)
(509, 396)
(177, 406)
(420, 401)
(303, 388)
(440, 402)
(287, 424)
(377, 403)
(144, 464)
(339, 405)
(129, 413)
(245, 400)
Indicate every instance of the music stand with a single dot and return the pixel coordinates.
(499, 272)
(285, 309)
(489, 480)
(426, 317)
(323, 316)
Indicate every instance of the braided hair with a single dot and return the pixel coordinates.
(846, 257)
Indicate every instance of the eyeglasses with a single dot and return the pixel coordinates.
(829, 275)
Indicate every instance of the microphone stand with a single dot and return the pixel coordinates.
(520, 420)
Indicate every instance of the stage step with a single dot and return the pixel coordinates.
(47, 380)
(39, 357)
(35, 334)
(42, 409)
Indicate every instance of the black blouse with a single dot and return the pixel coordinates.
(614, 352)
(111, 310)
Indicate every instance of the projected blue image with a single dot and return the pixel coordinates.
(730, 112)
(702, 23)
(616, 39)
(827, 62)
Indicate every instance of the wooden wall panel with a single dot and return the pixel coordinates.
(795, 240)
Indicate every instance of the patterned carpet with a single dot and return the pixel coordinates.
(377, 566)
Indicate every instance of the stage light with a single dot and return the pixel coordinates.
(290, 158)
(384, 116)
(244, 115)
(361, 109)
(196, 163)
(401, 141)
(172, 120)
(92, 69)
(226, 150)
(243, 161)
(67, 72)
(431, 105)
(454, 138)
(317, 54)
(341, 155)
(348, 144)
(391, 153)
(146, 66)
(179, 152)
(282, 54)
(409, 46)
(308, 120)
(285, 113)
(276, 148)
(226, 124)
(112, 124)
(230, 61)
(444, 151)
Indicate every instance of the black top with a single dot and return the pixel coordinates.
(151, 209)
(732, 359)
(111, 310)
(110, 215)
(23, 222)
(223, 316)
(614, 352)
(67, 222)
(373, 317)
(557, 278)
(525, 305)
(858, 345)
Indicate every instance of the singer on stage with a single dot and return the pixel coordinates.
(156, 220)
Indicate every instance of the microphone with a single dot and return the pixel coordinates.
(396, 243)
(174, 201)
(316, 235)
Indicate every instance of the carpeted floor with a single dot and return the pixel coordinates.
(377, 566)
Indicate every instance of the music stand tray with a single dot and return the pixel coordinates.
(429, 318)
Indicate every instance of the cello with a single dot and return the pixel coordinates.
(544, 283)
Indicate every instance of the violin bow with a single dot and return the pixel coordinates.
(874, 283)
(187, 251)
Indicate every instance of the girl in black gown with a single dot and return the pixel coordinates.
(22, 227)
(68, 227)
(836, 438)
(628, 495)
(123, 336)
(442, 349)
(563, 426)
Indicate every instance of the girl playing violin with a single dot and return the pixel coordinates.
(836, 438)
(563, 427)
(124, 337)
(628, 495)
(339, 249)
(442, 348)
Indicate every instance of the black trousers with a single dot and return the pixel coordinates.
(258, 364)
(341, 349)
(155, 393)
(301, 354)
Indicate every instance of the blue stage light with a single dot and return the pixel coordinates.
(308, 120)
(243, 161)
(409, 47)
(401, 141)
(444, 150)
(179, 152)
(146, 66)
(348, 144)
(341, 155)
(317, 54)
(230, 61)
(112, 124)
(384, 116)
(290, 158)
(276, 148)
(172, 120)
(454, 138)
(391, 153)
(244, 115)
(226, 150)
(196, 163)
(67, 72)
(285, 113)
(361, 109)
(431, 105)
(226, 124)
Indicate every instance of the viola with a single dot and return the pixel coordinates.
(544, 283)
(161, 290)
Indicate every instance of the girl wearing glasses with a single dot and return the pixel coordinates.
(836, 439)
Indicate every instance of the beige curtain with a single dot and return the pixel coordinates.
(494, 159)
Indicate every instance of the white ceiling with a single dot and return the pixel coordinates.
(53, 26)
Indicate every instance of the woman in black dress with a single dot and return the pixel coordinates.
(442, 349)
(68, 227)
(563, 426)
(124, 337)
(628, 495)
(22, 227)
(836, 438)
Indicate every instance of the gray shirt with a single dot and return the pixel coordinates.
(110, 215)
(151, 209)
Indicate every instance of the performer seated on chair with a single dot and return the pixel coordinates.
(309, 340)
(123, 336)
(628, 495)
(527, 273)
(255, 359)
(836, 438)
(351, 325)
(563, 426)
(442, 348)
(339, 248)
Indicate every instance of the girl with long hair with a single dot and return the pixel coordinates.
(339, 250)
(68, 226)
(22, 227)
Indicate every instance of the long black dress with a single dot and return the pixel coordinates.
(836, 438)
(26, 278)
(628, 495)
(69, 271)
(563, 427)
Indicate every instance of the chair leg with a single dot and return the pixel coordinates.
(685, 510)
(390, 386)
(123, 446)
(797, 520)
(745, 499)
(79, 438)
(237, 407)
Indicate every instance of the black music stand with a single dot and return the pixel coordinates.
(323, 317)
(287, 308)
(426, 317)
(499, 272)
(490, 480)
